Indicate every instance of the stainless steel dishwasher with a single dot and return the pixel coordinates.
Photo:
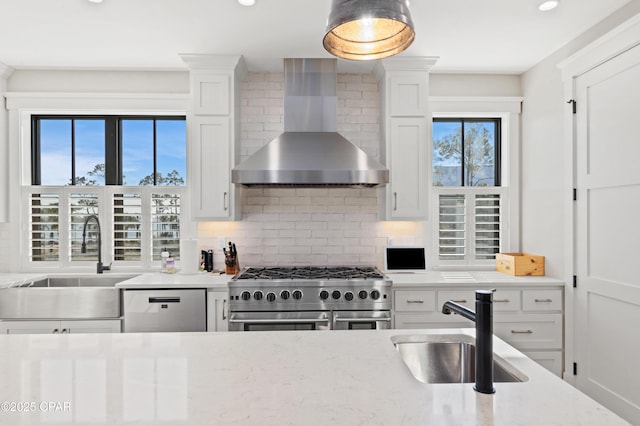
(158, 310)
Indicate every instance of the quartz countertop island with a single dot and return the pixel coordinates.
(263, 378)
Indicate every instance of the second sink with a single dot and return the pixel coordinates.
(448, 359)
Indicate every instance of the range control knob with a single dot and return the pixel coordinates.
(245, 295)
(324, 295)
(284, 294)
(257, 295)
(335, 294)
(362, 294)
(297, 294)
(271, 297)
(348, 296)
(375, 294)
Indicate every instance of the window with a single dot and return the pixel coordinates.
(127, 170)
(466, 176)
(111, 150)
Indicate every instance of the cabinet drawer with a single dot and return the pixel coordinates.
(542, 300)
(414, 300)
(503, 300)
(433, 320)
(463, 297)
(530, 331)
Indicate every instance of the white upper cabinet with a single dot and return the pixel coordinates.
(214, 135)
(406, 136)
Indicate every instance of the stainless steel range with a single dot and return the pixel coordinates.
(309, 298)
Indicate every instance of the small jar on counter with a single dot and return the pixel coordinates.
(171, 265)
(164, 256)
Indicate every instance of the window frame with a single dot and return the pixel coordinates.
(112, 145)
(497, 170)
(22, 106)
(508, 110)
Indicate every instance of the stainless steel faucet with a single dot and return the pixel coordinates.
(100, 266)
(483, 317)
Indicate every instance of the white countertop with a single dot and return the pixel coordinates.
(139, 280)
(467, 278)
(263, 378)
(177, 280)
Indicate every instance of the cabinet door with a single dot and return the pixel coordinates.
(217, 311)
(408, 95)
(212, 196)
(407, 190)
(30, 327)
(210, 93)
(90, 326)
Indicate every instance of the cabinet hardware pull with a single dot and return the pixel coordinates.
(55, 331)
(543, 300)
(164, 300)
(224, 302)
(415, 301)
(395, 201)
(521, 332)
(64, 331)
(460, 301)
(502, 300)
(224, 201)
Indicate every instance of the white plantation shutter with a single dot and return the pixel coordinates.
(44, 225)
(452, 226)
(469, 225)
(81, 207)
(137, 223)
(127, 233)
(165, 223)
(487, 225)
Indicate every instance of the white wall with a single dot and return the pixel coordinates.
(474, 85)
(544, 163)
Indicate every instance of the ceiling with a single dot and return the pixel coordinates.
(489, 36)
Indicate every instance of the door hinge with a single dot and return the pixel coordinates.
(575, 368)
(575, 281)
(573, 104)
(575, 194)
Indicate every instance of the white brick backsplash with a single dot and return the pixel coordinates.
(305, 226)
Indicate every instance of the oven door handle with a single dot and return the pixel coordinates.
(278, 321)
(361, 319)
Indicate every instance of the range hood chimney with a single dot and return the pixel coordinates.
(310, 152)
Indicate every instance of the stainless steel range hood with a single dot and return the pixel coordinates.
(310, 152)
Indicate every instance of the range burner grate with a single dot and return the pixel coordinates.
(311, 273)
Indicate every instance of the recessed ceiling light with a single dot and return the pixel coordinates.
(548, 5)
(247, 2)
(95, 1)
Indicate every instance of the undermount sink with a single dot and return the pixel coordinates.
(79, 281)
(448, 359)
(64, 297)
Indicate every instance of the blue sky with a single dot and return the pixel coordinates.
(89, 136)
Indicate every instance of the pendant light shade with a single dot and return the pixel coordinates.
(368, 29)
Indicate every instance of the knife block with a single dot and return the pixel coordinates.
(231, 266)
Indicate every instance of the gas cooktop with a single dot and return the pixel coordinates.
(311, 273)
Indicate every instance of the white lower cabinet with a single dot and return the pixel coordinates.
(60, 327)
(530, 319)
(217, 310)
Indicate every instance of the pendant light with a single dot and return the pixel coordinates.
(368, 29)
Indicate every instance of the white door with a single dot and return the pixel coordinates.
(607, 297)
